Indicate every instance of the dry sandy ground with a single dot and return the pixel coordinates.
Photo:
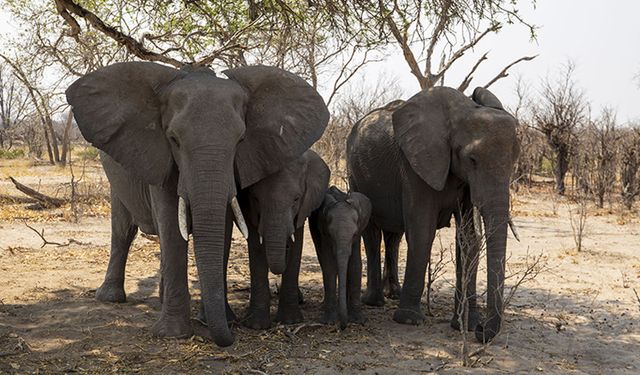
(579, 315)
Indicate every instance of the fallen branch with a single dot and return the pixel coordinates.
(45, 242)
(16, 199)
(44, 200)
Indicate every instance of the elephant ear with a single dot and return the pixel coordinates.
(316, 183)
(284, 117)
(421, 128)
(362, 205)
(117, 109)
(486, 98)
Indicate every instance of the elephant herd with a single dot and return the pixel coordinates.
(189, 152)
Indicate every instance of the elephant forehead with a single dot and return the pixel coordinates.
(341, 213)
(199, 86)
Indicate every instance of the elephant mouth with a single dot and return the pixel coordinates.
(185, 219)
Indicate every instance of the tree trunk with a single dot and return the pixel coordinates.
(65, 138)
(54, 139)
(47, 142)
(561, 168)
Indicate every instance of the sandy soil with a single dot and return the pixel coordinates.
(578, 315)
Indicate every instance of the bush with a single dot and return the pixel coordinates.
(89, 153)
(11, 154)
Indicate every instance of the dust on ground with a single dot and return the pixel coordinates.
(579, 315)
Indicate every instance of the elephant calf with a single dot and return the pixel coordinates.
(336, 228)
(276, 209)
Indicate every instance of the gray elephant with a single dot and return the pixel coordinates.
(179, 143)
(336, 228)
(277, 208)
(437, 155)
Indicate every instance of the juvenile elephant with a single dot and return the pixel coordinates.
(336, 228)
(276, 208)
(439, 154)
(178, 143)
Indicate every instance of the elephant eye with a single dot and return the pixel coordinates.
(174, 141)
(474, 162)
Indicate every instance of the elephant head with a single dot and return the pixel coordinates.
(280, 203)
(215, 133)
(441, 131)
(345, 216)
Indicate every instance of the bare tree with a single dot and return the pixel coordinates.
(557, 113)
(629, 165)
(604, 147)
(13, 104)
(42, 102)
(431, 34)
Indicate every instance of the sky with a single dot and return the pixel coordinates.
(601, 38)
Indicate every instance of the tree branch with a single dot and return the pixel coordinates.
(467, 80)
(65, 7)
(504, 73)
(460, 52)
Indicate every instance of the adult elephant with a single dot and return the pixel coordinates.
(181, 141)
(439, 154)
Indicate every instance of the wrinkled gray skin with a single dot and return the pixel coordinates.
(276, 208)
(188, 133)
(421, 162)
(336, 228)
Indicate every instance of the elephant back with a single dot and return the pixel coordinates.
(374, 162)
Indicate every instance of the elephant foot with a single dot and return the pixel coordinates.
(111, 292)
(257, 319)
(329, 316)
(172, 326)
(392, 290)
(356, 316)
(409, 316)
(300, 297)
(289, 315)
(487, 331)
(373, 297)
(474, 320)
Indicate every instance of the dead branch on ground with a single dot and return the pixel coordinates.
(45, 200)
(45, 242)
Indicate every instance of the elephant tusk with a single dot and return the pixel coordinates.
(293, 237)
(477, 221)
(260, 239)
(182, 218)
(237, 212)
(514, 229)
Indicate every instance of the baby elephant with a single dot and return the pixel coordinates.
(335, 228)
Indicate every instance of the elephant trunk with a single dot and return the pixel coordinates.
(209, 204)
(342, 259)
(496, 217)
(275, 244)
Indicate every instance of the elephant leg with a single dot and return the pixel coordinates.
(174, 318)
(329, 273)
(467, 259)
(231, 316)
(372, 236)
(329, 269)
(354, 283)
(289, 311)
(420, 228)
(123, 231)
(258, 315)
(390, 277)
